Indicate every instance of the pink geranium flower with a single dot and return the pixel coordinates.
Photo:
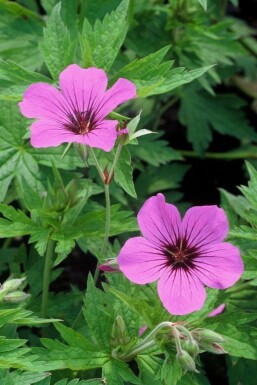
(182, 255)
(76, 112)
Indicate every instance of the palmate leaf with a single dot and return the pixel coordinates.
(58, 48)
(76, 381)
(99, 314)
(21, 378)
(77, 354)
(118, 373)
(154, 151)
(18, 159)
(152, 77)
(201, 112)
(15, 79)
(101, 44)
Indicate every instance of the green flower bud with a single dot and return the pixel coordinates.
(213, 348)
(186, 361)
(12, 284)
(191, 346)
(16, 297)
(207, 336)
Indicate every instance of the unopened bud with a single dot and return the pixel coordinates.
(12, 284)
(16, 297)
(186, 361)
(213, 348)
(207, 336)
(83, 152)
(191, 346)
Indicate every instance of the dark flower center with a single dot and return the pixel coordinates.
(180, 254)
(80, 123)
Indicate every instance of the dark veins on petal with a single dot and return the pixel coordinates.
(180, 255)
(80, 122)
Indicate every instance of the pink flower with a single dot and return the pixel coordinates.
(76, 112)
(220, 309)
(182, 255)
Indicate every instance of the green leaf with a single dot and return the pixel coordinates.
(243, 372)
(152, 77)
(154, 151)
(78, 354)
(239, 341)
(15, 79)
(123, 174)
(101, 45)
(58, 48)
(116, 373)
(99, 315)
(203, 3)
(22, 378)
(20, 32)
(201, 112)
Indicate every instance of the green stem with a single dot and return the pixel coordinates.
(220, 155)
(98, 167)
(115, 161)
(47, 272)
(147, 342)
(107, 227)
(131, 11)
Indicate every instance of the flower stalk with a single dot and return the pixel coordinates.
(46, 278)
(146, 343)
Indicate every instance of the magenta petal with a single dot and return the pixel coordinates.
(219, 266)
(48, 134)
(217, 311)
(44, 101)
(205, 225)
(119, 93)
(140, 262)
(159, 221)
(180, 292)
(83, 88)
(103, 136)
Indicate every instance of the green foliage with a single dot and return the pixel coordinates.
(101, 44)
(58, 48)
(201, 112)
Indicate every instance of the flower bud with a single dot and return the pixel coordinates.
(191, 346)
(207, 336)
(12, 284)
(186, 361)
(213, 348)
(16, 297)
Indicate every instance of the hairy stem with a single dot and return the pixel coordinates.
(47, 272)
(147, 342)
(115, 161)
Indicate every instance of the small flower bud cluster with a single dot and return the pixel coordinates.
(209, 340)
(9, 292)
(119, 335)
(188, 344)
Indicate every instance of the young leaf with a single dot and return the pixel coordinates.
(101, 45)
(123, 174)
(58, 48)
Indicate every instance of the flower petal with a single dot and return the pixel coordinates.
(103, 136)
(83, 88)
(140, 261)
(119, 93)
(204, 225)
(219, 266)
(220, 309)
(49, 134)
(180, 292)
(43, 101)
(159, 221)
